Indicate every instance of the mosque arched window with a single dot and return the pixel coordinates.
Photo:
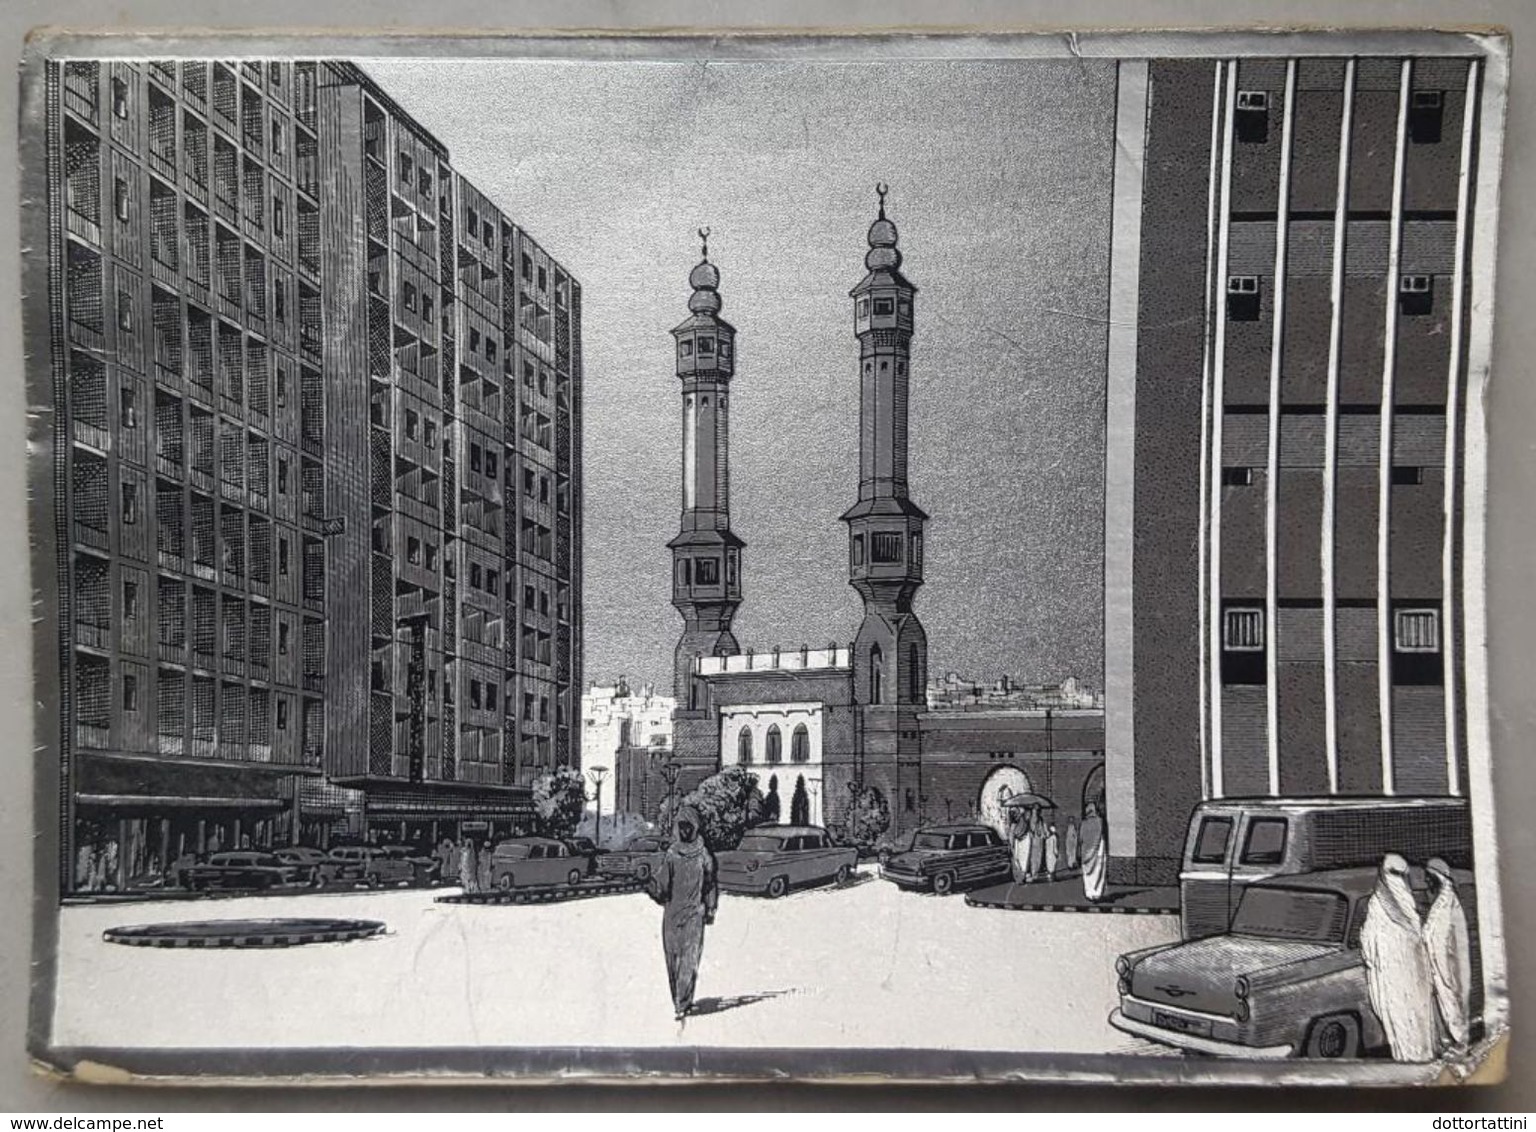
(775, 744)
(800, 745)
(744, 746)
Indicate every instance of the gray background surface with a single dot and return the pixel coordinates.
(1512, 476)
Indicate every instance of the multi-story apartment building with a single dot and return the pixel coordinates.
(1284, 530)
(318, 482)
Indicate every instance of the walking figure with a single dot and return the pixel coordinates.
(684, 884)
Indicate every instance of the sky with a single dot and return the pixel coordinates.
(1000, 186)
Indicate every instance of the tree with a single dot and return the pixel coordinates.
(869, 815)
(559, 800)
(771, 802)
(728, 802)
(800, 803)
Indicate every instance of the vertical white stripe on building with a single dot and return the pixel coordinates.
(1206, 660)
(1120, 458)
(1272, 471)
(1218, 409)
(1331, 441)
(1452, 448)
(1384, 625)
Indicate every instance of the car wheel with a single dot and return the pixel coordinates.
(944, 884)
(372, 880)
(778, 886)
(1336, 1036)
(844, 874)
(644, 871)
(504, 882)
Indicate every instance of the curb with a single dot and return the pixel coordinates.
(550, 894)
(243, 933)
(1101, 909)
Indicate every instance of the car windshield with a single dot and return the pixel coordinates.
(1285, 913)
(931, 841)
(760, 843)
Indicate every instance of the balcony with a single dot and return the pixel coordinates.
(86, 535)
(93, 436)
(93, 635)
(89, 735)
(83, 226)
(313, 681)
(173, 651)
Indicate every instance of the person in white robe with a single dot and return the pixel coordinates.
(1450, 956)
(1052, 852)
(1397, 973)
(1095, 847)
(1072, 847)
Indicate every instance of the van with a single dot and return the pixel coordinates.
(1233, 842)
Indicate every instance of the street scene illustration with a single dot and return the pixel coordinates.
(691, 557)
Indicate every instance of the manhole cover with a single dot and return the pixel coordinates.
(242, 933)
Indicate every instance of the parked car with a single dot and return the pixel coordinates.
(304, 858)
(1233, 842)
(531, 862)
(426, 870)
(586, 849)
(245, 870)
(946, 857)
(366, 864)
(639, 857)
(1288, 979)
(772, 859)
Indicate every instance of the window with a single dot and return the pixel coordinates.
(744, 746)
(473, 224)
(1243, 298)
(425, 183)
(775, 752)
(1416, 294)
(491, 467)
(408, 292)
(685, 348)
(474, 575)
(490, 696)
(1265, 843)
(917, 551)
(130, 693)
(412, 423)
(130, 503)
(1251, 122)
(1426, 114)
(1417, 630)
(125, 311)
(1211, 842)
(858, 550)
(282, 465)
(544, 603)
(543, 280)
(707, 571)
(407, 169)
(130, 599)
(863, 308)
(876, 675)
(884, 307)
(413, 550)
(431, 556)
(476, 454)
(120, 198)
(543, 489)
(282, 374)
(800, 745)
(885, 546)
(706, 346)
(279, 216)
(426, 308)
(282, 713)
(282, 556)
(474, 694)
(528, 598)
(1243, 657)
(492, 582)
(527, 268)
(1243, 630)
(119, 98)
(128, 407)
(1236, 477)
(277, 136)
(1407, 476)
(431, 434)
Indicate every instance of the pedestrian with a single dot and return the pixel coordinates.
(1035, 867)
(1071, 859)
(684, 884)
(449, 856)
(1095, 850)
(1018, 834)
(1052, 852)
(1397, 970)
(483, 866)
(109, 866)
(85, 865)
(1450, 957)
(467, 874)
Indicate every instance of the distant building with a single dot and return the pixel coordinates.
(615, 718)
(1288, 365)
(954, 692)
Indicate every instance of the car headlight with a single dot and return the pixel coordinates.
(1123, 985)
(752, 866)
(1122, 966)
(1240, 988)
(1241, 1013)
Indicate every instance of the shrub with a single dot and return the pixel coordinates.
(559, 799)
(869, 816)
(728, 802)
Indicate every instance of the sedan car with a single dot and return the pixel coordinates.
(772, 859)
(304, 858)
(532, 862)
(946, 857)
(244, 871)
(638, 858)
(425, 869)
(366, 864)
(1287, 980)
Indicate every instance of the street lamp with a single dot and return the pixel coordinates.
(597, 774)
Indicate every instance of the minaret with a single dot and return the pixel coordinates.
(706, 556)
(885, 532)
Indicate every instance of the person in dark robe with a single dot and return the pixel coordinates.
(684, 885)
(469, 875)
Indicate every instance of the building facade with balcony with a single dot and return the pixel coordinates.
(317, 476)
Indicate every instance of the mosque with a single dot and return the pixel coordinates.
(813, 723)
